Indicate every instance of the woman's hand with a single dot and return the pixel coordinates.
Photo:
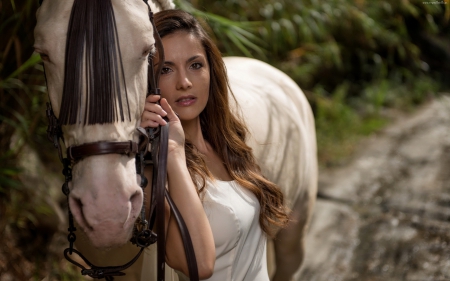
(153, 117)
(153, 113)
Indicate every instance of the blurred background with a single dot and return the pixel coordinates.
(363, 65)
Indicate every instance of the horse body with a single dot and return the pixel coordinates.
(283, 140)
(105, 197)
(281, 125)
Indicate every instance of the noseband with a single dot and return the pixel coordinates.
(143, 235)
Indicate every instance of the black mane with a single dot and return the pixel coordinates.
(93, 57)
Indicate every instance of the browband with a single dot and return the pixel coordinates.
(75, 153)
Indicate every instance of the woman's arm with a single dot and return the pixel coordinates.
(184, 194)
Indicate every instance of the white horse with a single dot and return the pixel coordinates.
(105, 187)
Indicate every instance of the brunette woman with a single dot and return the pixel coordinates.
(242, 207)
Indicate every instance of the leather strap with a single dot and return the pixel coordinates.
(75, 153)
(159, 191)
(160, 187)
(186, 237)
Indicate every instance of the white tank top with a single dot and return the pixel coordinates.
(233, 213)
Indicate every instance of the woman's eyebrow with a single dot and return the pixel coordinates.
(193, 58)
(167, 62)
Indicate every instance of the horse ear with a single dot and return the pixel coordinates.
(166, 4)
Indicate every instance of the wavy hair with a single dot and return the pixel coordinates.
(225, 132)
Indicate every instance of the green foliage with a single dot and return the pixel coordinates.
(21, 84)
(339, 35)
(8, 175)
(334, 119)
(232, 34)
(22, 98)
(355, 57)
(341, 121)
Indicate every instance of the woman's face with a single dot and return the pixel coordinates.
(185, 76)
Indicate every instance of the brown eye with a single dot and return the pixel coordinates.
(165, 70)
(196, 65)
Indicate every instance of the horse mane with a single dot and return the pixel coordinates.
(92, 46)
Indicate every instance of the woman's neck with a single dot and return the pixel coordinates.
(214, 163)
(193, 133)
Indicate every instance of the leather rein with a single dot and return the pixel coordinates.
(149, 220)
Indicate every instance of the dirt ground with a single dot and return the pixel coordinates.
(386, 215)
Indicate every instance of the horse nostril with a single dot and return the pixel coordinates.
(79, 203)
(136, 200)
(76, 207)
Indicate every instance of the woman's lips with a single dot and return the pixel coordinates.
(186, 100)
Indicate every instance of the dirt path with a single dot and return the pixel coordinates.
(386, 215)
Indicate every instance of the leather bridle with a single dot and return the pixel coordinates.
(149, 220)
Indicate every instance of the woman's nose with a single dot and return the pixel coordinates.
(183, 81)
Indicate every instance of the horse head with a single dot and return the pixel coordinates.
(95, 58)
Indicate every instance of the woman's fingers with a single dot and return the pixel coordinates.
(151, 119)
(176, 133)
(152, 98)
(153, 113)
(150, 105)
(170, 113)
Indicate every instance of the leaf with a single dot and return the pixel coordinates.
(236, 32)
(238, 43)
(33, 60)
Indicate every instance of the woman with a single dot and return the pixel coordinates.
(242, 207)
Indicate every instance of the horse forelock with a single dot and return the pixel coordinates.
(93, 65)
(93, 89)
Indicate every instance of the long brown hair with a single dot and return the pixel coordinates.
(222, 129)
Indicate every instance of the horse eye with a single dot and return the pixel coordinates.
(149, 50)
(44, 57)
